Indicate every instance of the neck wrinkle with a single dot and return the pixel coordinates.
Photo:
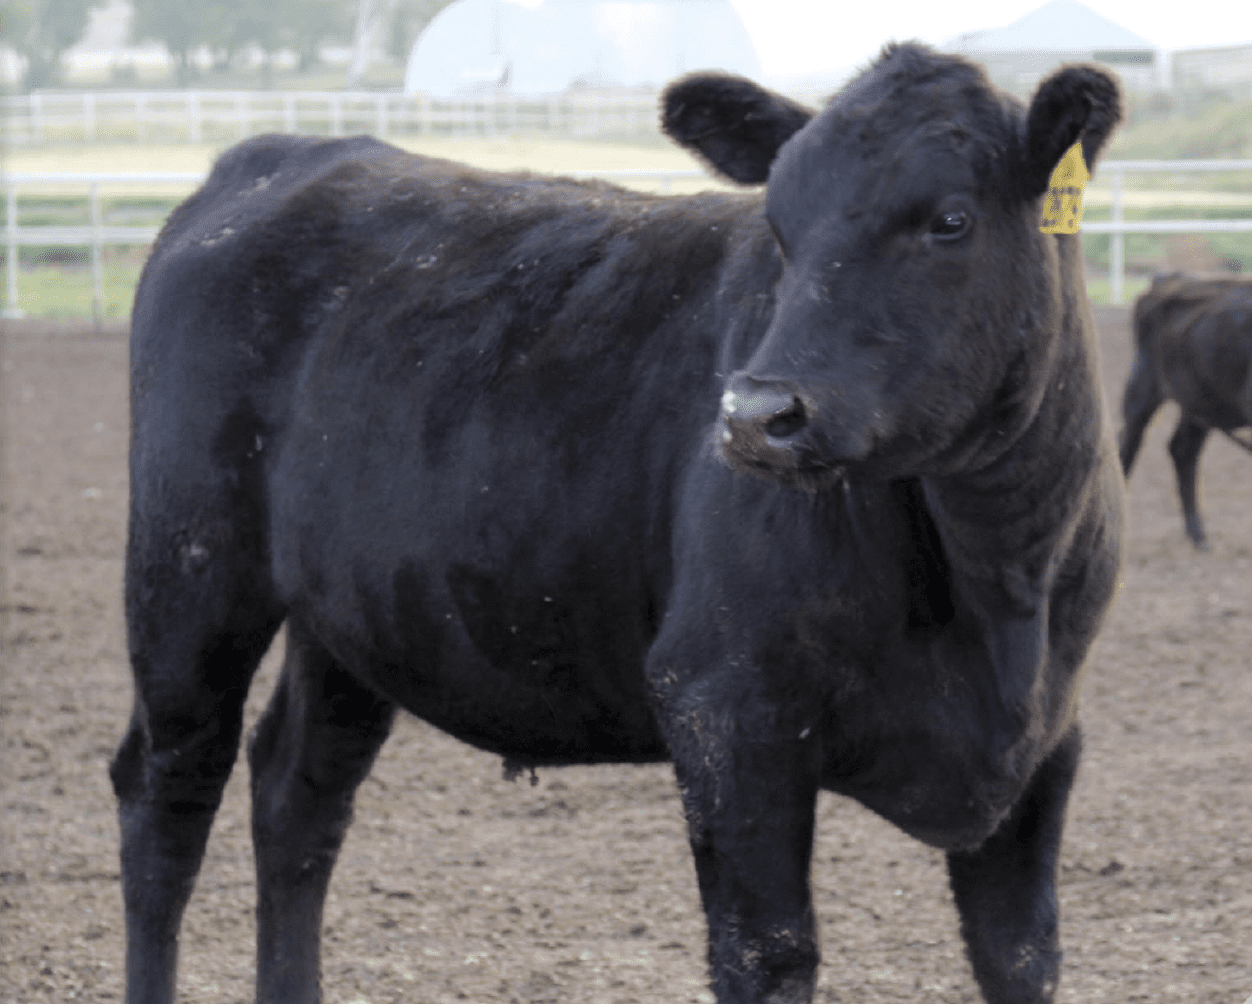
(1005, 524)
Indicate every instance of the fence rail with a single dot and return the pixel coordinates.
(96, 234)
(1118, 227)
(219, 116)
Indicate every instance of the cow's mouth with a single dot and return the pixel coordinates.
(790, 463)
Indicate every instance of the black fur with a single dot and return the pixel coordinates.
(801, 490)
(1075, 102)
(733, 124)
(1193, 346)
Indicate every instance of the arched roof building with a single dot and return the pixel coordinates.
(547, 46)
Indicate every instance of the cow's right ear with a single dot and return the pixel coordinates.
(733, 124)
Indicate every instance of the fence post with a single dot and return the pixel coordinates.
(193, 115)
(89, 117)
(97, 270)
(1117, 247)
(11, 309)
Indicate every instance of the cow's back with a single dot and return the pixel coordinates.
(1195, 332)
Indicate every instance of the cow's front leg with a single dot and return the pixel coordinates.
(1006, 889)
(748, 773)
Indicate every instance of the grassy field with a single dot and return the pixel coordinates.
(63, 291)
(56, 282)
(498, 154)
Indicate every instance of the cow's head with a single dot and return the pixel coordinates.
(918, 295)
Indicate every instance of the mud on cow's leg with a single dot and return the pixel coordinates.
(750, 801)
(1006, 889)
(314, 745)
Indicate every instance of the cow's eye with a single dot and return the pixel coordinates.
(950, 225)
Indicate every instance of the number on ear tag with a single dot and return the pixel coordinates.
(1062, 206)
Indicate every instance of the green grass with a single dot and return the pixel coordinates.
(1100, 291)
(1218, 130)
(64, 291)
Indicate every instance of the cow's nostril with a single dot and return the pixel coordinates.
(786, 423)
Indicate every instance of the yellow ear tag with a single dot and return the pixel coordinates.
(1062, 206)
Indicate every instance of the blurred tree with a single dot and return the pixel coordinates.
(307, 24)
(227, 27)
(40, 31)
(387, 25)
(408, 20)
(185, 27)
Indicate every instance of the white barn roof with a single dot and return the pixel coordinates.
(1059, 26)
(1018, 55)
(547, 46)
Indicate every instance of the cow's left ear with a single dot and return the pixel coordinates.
(735, 125)
(1075, 102)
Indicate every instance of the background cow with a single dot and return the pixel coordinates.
(1193, 346)
(810, 489)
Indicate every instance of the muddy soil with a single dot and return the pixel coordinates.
(456, 885)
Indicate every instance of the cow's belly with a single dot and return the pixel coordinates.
(485, 592)
(540, 675)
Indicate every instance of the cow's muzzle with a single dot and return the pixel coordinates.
(763, 422)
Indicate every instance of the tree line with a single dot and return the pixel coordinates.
(42, 30)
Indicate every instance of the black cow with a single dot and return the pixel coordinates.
(1193, 346)
(801, 490)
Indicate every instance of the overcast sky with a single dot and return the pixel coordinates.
(796, 37)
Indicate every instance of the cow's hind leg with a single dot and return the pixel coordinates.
(1139, 403)
(312, 748)
(1006, 889)
(192, 671)
(1184, 449)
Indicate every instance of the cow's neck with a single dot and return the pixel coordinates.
(1006, 525)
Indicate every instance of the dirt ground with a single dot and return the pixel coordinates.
(455, 885)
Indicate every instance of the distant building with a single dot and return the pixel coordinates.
(1226, 70)
(547, 46)
(1020, 54)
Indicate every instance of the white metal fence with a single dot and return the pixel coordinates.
(227, 116)
(1118, 226)
(95, 234)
